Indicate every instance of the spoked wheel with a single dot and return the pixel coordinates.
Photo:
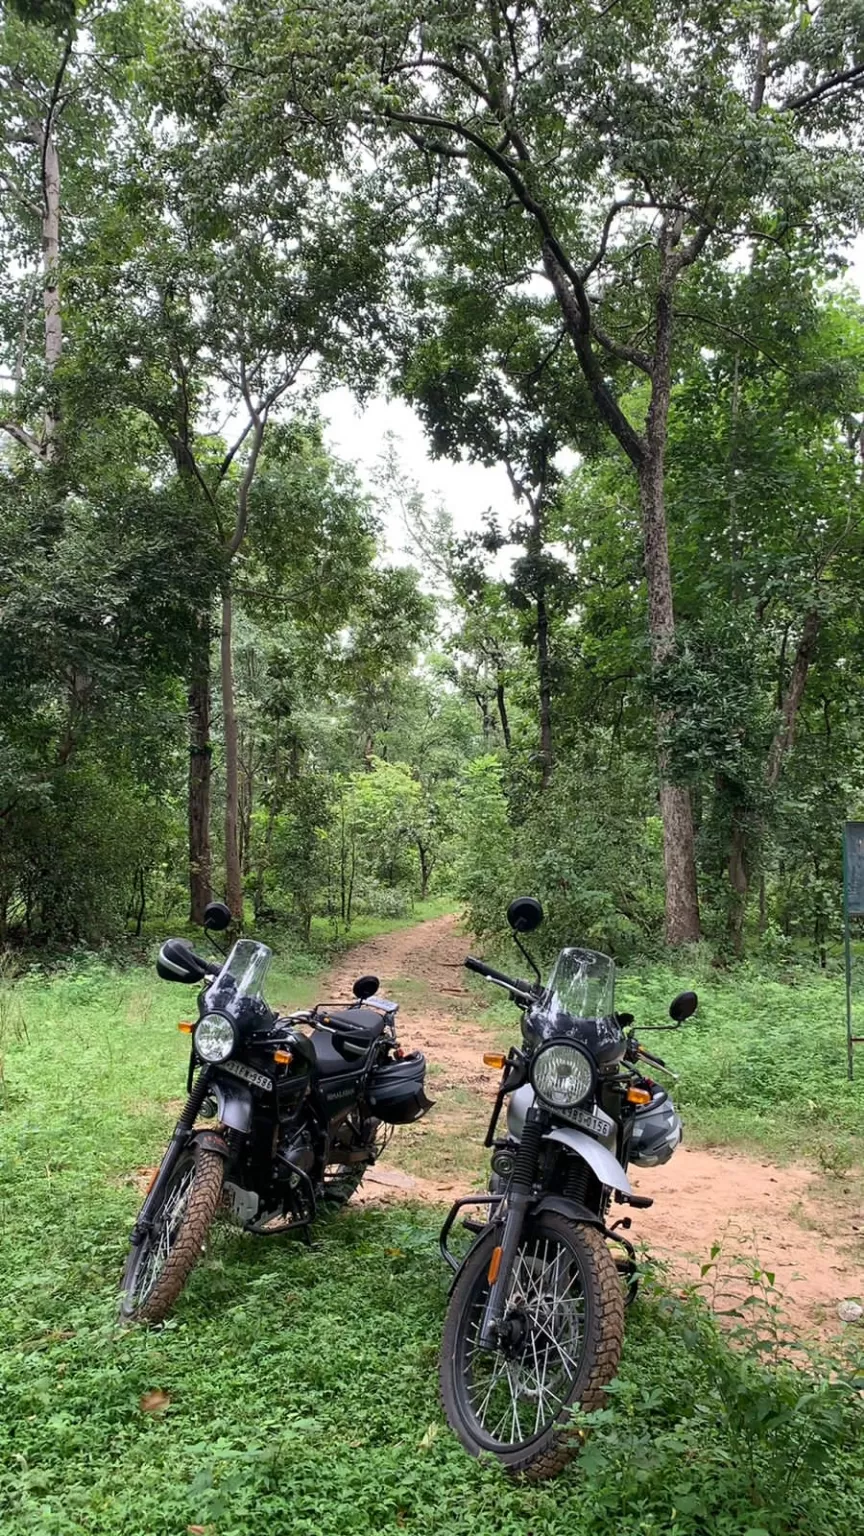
(559, 1344)
(157, 1268)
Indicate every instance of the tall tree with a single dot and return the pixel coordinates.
(623, 150)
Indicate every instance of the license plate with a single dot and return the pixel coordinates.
(588, 1122)
(248, 1074)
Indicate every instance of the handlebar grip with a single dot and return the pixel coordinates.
(489, 971)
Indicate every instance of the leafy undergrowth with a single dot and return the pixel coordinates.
(295, 1389)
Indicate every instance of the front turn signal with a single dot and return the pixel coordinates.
(494, 1265)
(283, 1058)
(638, 1096)
(185, 1027)
(494, 1059)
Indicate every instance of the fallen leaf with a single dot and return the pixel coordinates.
(154, 1402)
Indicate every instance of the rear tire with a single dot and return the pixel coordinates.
(565, 1313)
(157, 1269)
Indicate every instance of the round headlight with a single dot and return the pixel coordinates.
(214, 1037)
(562, 1075)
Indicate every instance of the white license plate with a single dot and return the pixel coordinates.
(248, 1074)
(588, 1122)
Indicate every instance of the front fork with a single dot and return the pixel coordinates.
(179, 1138)
(519, 1200)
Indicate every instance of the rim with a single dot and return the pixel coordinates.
(515, 1393)
(157, 1249)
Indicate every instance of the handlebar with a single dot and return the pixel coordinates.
(482, 969)
(522, 990)
(656, 1061)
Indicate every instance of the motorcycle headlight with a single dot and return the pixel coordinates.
(214, 1037)
(562, 1075)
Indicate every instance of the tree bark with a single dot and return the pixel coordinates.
(502, 714)
(200, 770)
(739, 885)
(679, 856)
(233, 876)
(51, 278)
(425, 869)
(784, 737)
(545, 689)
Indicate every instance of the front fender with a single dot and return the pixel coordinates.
(569, 1208)
(600, 1160)
(233, 1104)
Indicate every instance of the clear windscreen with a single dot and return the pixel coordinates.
(241, 979)
(581, 984)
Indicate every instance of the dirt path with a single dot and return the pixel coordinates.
(759, 1213)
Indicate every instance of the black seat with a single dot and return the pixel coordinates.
(328, 1060)
(361, 1023)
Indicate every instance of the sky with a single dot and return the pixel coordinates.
(465, 490)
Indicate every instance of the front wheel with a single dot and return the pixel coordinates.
(558, 1345)
(158, 1267)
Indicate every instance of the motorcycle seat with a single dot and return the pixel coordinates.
(358, 1023)
(329, 1061)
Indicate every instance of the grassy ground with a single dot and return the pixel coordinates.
(295, 1389)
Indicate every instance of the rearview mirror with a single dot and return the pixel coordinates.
(217, 916)
(524, 914)
(683, 1006)
(178, 962)
(365, 986)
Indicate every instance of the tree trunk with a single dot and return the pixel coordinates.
(679, 856)
(51, 279)
(273, 808)
(739, 883)
(784, 737)
(502, 714)
(545, 689)
(233, 877)
(200, 769)
(425, 869)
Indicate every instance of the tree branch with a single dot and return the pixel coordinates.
(730, 330)
(23, 437)
(52, 108)
(853, 77)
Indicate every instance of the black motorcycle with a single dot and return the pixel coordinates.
(535, 1322)
(296, 1108)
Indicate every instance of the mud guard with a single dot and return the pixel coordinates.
(600, 1160)
(571, 1209)
(233, 1104)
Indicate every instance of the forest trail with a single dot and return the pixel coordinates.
(758, 1212)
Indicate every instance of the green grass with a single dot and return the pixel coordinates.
(302, 1383)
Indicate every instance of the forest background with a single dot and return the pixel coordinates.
(603, 247)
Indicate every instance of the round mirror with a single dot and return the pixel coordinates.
(524, 914)
(366, 986)
(683, 1006)
(217, 916)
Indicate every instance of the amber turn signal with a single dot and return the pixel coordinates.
(638, 1096)
(284, 1058)
(494, 1265)
(185, 1027)
(494, 1059)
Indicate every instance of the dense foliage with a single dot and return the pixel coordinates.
(600, 246)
